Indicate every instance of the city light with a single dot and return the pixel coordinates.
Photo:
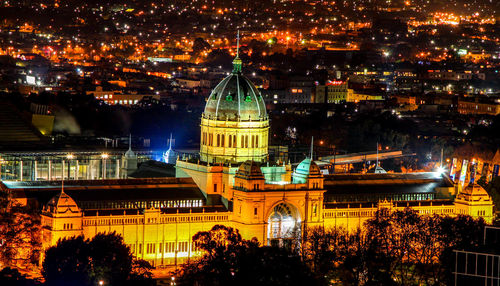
(187, 132)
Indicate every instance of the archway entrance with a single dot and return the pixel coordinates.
(283, 226)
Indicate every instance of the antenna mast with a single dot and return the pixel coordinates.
(312, 145)
(238, 44)
(129, 141)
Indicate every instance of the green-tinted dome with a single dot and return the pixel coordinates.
(306, 169)
(235, 98)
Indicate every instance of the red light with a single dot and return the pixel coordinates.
(335, 82)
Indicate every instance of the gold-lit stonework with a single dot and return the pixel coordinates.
(234, 184)
(234, 125)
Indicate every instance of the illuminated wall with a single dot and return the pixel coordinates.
(234, 141)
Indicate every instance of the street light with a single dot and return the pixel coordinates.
(101, 282)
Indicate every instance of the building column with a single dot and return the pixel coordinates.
(87, 171)
(117, 175)
(103, 168)
(77, 169)
(21, 170)
(62, 169)
(49, 170)
(35, 170)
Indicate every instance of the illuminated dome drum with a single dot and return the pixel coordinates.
(234, 125)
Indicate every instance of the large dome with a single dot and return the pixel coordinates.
(235, 98)
(234, 126)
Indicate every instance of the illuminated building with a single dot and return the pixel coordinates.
(479, 106)
(234, 125)
(169, 156)
(158, 217)
(234, 185)
(338, 92)
(72, 165)
(353, 96)
(332, 92)
(116, 97)
(455, 75)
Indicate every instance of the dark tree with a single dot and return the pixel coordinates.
(324, 249)
(20, 240)
(461, 232)
(79, 261)
(12, 277)
(141, 273)
(68, 263)
(231, 260)
(393, 248)
(111, 259)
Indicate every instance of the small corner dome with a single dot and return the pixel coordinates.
(235, 98)
(130, 154)
(249, 170)
(62, 203)
(474, 192)
(308, 168)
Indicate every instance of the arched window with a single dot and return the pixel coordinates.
(242, 141)
(256, 140)
(253, 141)
(218, 140)
(229, 141)
(246, 141)
(234, 141)
(222, 140)
(283, 226)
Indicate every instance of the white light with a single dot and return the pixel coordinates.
(279, 183)
(440, 170)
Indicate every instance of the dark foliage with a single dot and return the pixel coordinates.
(398, 248)
(12, 277)
(20, 239)
(231, 260)
(79, 261)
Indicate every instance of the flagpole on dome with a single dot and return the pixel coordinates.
(238, 44)
(62, 185)
(312, 146)
(237, 63)
(130, 142)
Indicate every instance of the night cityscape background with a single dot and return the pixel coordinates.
(249, 142)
